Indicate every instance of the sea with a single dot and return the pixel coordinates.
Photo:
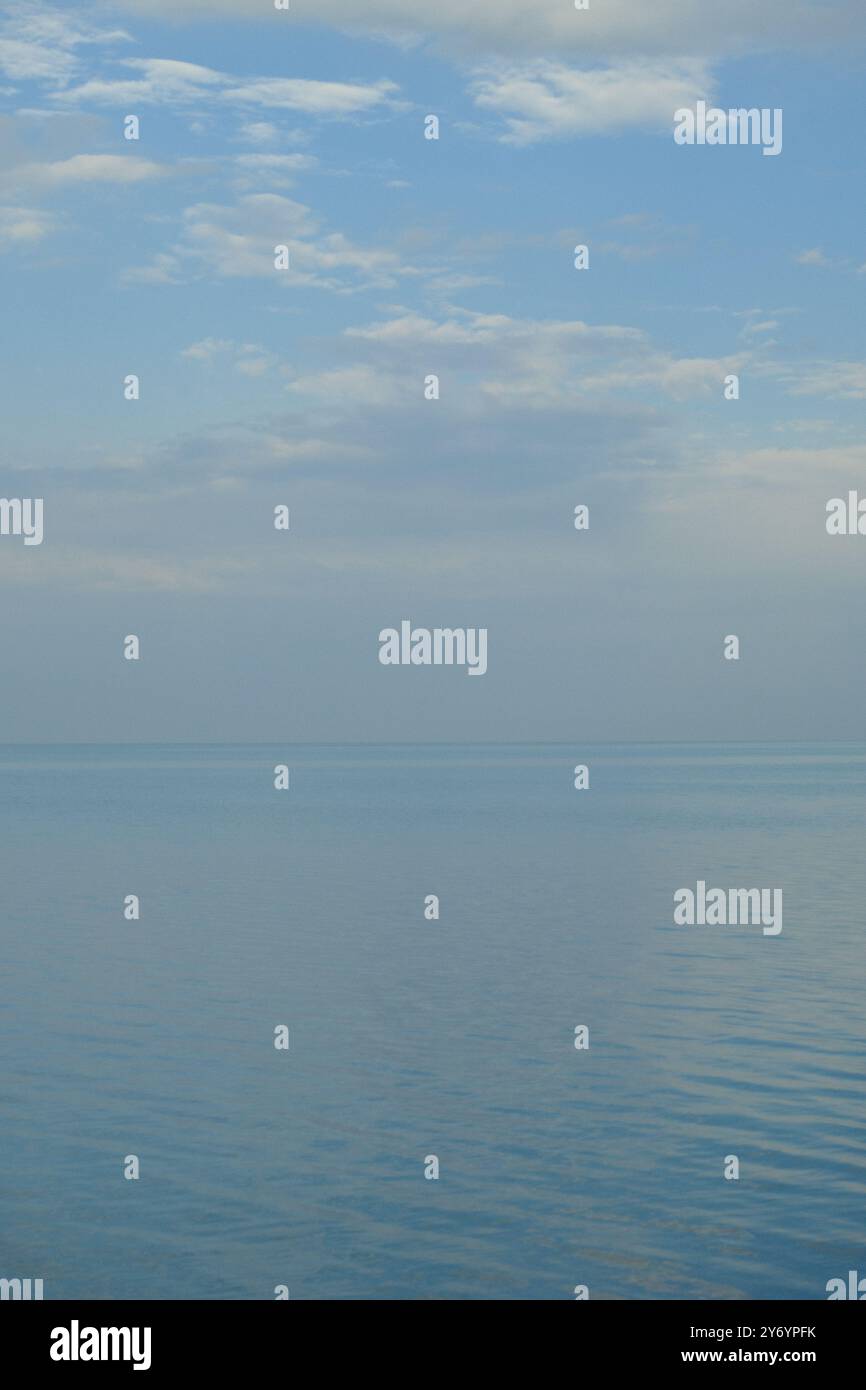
(564, 1171)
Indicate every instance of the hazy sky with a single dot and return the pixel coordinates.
(410, 257)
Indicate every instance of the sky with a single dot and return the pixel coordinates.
(410, 257)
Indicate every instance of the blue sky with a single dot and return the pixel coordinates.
(411, 257)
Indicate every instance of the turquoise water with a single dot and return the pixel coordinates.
(410, 1038)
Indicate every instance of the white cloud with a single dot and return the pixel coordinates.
(91, 168)
(23, 226)
(554, 26)
(813, 257)
(165, 82)
(38, 43)
(207, 349)
(34, 61)
(491, 362)
(680, 378)
(360, 384)
(467, 327)
(289, 163)
(278, 170)
(253, 366)
(834, 380)
(238, 241)
(760, 326)
(259, 133)
(312, 98)
(247, 358)
(162, 269)
(541, 99)
(448, 284)
(535, 365)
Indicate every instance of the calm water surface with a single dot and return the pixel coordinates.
(411, 1038)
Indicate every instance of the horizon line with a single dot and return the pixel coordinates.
(430, 743)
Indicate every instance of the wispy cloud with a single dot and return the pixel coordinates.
(40, 42)
(21, 226)
(166, 82)
(552, 26)
(815, 256)
(90, 168)
(238, 241)
(544, 99)
(250, 359)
